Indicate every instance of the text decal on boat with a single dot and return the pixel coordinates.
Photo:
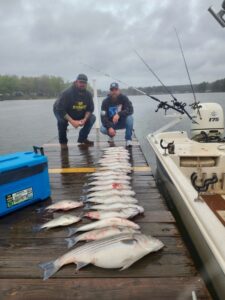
(18, 197)
(214, 119)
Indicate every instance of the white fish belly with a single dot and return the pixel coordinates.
(118, 255)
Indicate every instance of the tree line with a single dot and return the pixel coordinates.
(204, 87)
(14, 87)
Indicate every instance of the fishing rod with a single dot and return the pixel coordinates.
(156, 76)
(162, 104)
(176, 103)
(195, 105)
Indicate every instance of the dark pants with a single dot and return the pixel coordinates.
(62, 125)
(124, 123)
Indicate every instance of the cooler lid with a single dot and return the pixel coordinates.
(20, 159)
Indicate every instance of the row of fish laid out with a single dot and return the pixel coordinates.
(114, 241)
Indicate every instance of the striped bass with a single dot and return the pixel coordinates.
(64, 220)
(116, 206)
(64, 205)
(105, 223)
(120, 251)
(107, 182)
(109, 178)
(111, 193)
(125, 213)
(107, 173)
(113, 186)
(112, 199)
(98, 234)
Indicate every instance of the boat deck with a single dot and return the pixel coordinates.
(167, 274)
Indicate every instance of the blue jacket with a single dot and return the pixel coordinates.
(121, 106)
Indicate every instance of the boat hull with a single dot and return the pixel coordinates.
(211, 269)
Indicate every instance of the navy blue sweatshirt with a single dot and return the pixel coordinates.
(121, 106)
(74, 102)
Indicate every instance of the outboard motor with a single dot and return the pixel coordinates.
(210, 122)
(220, 15)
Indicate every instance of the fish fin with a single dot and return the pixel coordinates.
(87, 207)
(71, 242)
(80, 265)
(40, 210)
(49, 268)
(71, 231)
(81, 215)
(37, 228)
(127, 263)
(128, 241)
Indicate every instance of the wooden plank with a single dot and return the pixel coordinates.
(103, 288)
(167, 274)
(26, 266)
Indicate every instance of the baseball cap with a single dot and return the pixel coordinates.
(82, 77)
(114, 85)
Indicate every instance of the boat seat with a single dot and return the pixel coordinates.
(193, 162)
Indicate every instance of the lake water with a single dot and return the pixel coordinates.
(27, 122)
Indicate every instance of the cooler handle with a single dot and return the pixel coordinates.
(41, 149)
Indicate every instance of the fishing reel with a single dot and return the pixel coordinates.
(195, 105)
(163, 105)
(170, 147)
(205, 185)
(180, 105)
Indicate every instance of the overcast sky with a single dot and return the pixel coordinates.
(55, 37)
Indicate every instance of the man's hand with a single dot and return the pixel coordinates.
(111, 132)
(75, 123)
(82, 122)
(115, 118)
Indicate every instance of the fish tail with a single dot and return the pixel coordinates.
(37, 228)
(71, 242)
(71, 231)
(83, 198)
(50, 268)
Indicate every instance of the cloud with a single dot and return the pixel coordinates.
(53, 37)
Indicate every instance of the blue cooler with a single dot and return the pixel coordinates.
(24, 179)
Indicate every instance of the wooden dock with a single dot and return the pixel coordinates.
(167, 274)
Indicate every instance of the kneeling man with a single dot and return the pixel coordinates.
(116, 113)
(75, 106)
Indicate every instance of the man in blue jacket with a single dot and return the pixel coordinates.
(116, 113)
(75, 106)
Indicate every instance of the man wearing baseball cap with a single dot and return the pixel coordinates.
(116, 113)
(75, 106)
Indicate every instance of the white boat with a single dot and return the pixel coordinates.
(191, 170)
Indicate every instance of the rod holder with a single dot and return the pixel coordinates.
(205, 185)
(170, 147)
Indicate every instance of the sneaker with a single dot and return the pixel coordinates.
(111, 140)
(128, 143)
(86, 142)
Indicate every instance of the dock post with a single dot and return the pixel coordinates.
(97, 126)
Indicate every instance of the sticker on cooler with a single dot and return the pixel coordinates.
(18, 197)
